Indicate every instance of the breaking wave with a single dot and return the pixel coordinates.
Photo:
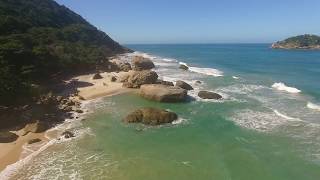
(313, 106)
(282, 87)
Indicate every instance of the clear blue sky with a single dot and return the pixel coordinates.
(200, 21)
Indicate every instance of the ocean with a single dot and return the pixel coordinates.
(266, 127)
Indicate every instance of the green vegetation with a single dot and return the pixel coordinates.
(39, 38)
(306, 41)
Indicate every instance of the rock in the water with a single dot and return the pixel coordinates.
(209, 95)
(141, 63)
(37, 127)
(184, 85)
(183, 67)
(163, 93)
(198, 82)
(151, 116)
(97, 76)
(167, 83)
(79, 111)
(113, 79)
(7, 137)
(34, 141)
(68, 134)
(138, 78)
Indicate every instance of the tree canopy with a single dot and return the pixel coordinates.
(39, 38)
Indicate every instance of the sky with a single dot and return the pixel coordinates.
(200, 21)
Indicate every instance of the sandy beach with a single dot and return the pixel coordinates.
(90, 89)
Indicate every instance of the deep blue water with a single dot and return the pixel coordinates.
(296, 68)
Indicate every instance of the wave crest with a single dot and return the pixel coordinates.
(313, 106)
(282, 87)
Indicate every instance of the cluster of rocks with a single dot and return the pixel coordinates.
(37, 117)
(157, 90)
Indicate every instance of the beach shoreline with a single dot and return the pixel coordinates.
(11, 153)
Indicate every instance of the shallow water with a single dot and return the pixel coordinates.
(256, 132)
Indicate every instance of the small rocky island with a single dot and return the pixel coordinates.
(306, 41)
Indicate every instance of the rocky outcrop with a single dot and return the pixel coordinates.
(163, 93)
(119, 65)
(97, 76)
(183, 67)
(32, 141)
(141, 63)
(37, 127)
(184, 85)
(138, 78)
(68, 134)
(209, 95)
(7, 137)
(167, 83)
(113, 79)
(151, 116)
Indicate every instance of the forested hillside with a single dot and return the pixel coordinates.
(39, 38)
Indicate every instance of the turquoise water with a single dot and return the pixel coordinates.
(256, 132)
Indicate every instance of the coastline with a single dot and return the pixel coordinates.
(13, 152)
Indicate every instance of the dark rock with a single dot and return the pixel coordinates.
(124, 67)
(184, 85)
(198, 82)
(79, 111)
(81, 98)
(163, 93)
(8, 137)
(183, 67)
(97, 76)
(167, 83)
(138, 78)
(34, 141)
(113, 79)
(141, 63)
(151, 116)
(68, 134)
(209, 95)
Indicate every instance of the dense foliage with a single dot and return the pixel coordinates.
(306, 40)
(39, 38)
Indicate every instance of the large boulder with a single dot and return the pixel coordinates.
(167, 83)
(68, 134)
(120, 65)
(141, 63)
(32, 141)
(37, 127)
(97, 76)
(209, 95)
(163, 93)
(183, 67)
(184, 85)
(151, 116)
(7, 137)
(138, 78)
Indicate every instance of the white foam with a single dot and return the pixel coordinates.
(283, 116)
(168, 60)
(313, 106)
(282, 87)
(179, 121)
(183, 63)
(207, 71)
(235, 77)
(145, 55)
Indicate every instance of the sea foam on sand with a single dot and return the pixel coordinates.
(313, 106)
(282, 87)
